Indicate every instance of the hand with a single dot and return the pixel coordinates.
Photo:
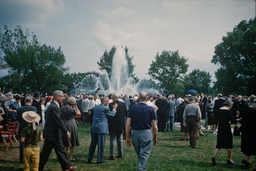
(184, 124)
(68, 135)
(239, 119)
(128, 142)
(115, 106)
(155, 140)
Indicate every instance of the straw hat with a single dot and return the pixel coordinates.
(31, 117)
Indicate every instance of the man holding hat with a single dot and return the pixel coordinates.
(22, 123)
(191, 117)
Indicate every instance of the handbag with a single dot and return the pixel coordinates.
(236, 131)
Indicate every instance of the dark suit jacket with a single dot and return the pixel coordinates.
(117, 123)
(218, 104)
(22, 122)
(38, 107)
(53, 124)
(161, 104)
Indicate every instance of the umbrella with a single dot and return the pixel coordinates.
(192, 91)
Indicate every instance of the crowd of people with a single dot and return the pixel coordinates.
(55, 119)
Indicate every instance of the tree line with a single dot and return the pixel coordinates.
(33, 66)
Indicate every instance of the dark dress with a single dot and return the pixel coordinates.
(68, 115)
(209, 110)
(222, 118)
(181, 110)
(248, 129)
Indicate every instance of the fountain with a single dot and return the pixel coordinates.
(119, 81)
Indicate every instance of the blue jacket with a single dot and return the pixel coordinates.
(170, 106)
(100, 120)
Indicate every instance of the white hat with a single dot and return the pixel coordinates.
(31, 116)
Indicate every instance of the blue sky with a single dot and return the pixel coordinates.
(86, 28)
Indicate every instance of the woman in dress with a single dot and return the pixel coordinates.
(209, 110)
(42, 102)
(183, 129)
(68, 113)
(224, 138)
(248, 129)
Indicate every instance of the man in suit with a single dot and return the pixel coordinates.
(99, 129)
(170, 106)
(202, 103)
(52, 134)
(22, 123)
(141, 117)
(161, 104)
(37, 104)
(116, 127)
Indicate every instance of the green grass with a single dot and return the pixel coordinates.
(168, 154)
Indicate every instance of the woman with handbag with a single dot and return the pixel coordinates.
(224, 138)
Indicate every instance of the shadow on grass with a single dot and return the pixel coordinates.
(10, 168)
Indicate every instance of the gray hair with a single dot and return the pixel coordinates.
(192, 99)
(115, 95)
(28, 99)
(170, 96)
(228, 103)
(143, 95)
(102, 99)
(56, 93)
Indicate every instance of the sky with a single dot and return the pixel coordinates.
(84, 29)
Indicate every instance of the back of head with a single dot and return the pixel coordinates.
(115, 95)
(228, 103)
(143, 96)
(28, 99)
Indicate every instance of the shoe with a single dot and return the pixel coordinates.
(72, 168)
(195, 147)
(181, 139)
(202, 134)
(187, 139)
(89, 161)
(100, 162)
(229, 162)
(213, 161)
(111, 158)
(246, 163)
(197, 137)
(72, 159)
(120, 156)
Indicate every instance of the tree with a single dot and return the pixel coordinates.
(237, 56)
(105, 62)
(169, 68)
(37, 66)
(197, 80)
(81, 80)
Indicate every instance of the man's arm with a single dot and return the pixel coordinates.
(184, 117)
(155, 129)
(127, 131)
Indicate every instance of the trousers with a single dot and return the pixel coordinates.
(192, 123)
(59, 150)
(113, 137)
(142, 141)
(31, 156)
(97, 138)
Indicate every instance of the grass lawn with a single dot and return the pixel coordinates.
(168, 154)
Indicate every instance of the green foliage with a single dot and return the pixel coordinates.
(147, 83)
(39, 67)
(237, 56)
(105, 62)
(87, 79)
(197, 80)
(169, 68)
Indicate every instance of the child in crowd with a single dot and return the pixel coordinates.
(30, 135)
